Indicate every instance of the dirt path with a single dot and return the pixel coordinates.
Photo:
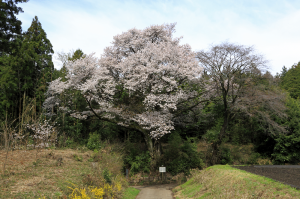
(155, 191)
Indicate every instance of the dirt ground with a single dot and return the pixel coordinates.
(287, 174)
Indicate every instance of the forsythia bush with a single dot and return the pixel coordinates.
(111, 191)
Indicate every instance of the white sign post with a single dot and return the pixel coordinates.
(162, 170)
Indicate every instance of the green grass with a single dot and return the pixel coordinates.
(223, 181)
(131, 193)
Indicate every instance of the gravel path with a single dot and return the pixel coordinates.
(155, 191)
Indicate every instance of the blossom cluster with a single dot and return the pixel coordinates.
(149, 64)
(43, 135)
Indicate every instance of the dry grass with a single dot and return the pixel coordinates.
(223, 181)
(51, 172)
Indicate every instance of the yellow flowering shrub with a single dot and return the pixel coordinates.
(110, 190)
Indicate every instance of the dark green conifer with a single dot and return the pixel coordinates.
(10, 26)
(291, 81)
(37, 66)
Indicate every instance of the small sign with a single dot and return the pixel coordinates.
(162, 169)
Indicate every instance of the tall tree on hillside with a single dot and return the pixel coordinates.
(10, 31)
(291, 81)
(10, 26)
(76, 55)
(37, 66)
(8, 87)
(229, 68)
(283, 72)
(137, 83)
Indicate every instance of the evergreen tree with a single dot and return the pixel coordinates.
(287, 147)
(10, 26)
(9, 80)
(7, 86)
(77, 55)
(291, 81)
(283, 72)
(10, 32)
(38, 67)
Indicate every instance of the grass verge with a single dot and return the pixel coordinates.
(223, 181)
(130, 193)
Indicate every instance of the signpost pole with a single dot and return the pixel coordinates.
(162, 169)
(162, 176)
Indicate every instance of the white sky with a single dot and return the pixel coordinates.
(271, 26)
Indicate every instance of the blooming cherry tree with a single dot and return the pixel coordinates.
(44, 134)
(137, 82)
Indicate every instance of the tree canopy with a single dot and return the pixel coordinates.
(10, 26)
(231, 71)
(290, 81)
(137, 82)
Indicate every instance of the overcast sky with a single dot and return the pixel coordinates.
(271, 26)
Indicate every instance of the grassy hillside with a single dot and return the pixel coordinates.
(64, 173)
(223, 181)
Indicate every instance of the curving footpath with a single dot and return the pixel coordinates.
(155, 191)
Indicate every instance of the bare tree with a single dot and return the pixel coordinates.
(229, 68)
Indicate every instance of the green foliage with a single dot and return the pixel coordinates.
(78, 158)
(290, 81)
(77, 55)
(28, 64)
(239, 130)
(8, 84)
(212, 134)
(70, 143)
(181, 156)
(10, 26)
(283, 72)
(37, 66)
(225, 155)
(287, 148)
(253, 158)
(131, 193)
(138, 161)
(107, 175)
(94, 141)
(70, 127)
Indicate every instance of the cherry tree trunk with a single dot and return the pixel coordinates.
(154, 148)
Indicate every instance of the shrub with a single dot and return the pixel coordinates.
(181, 156)
(70, 143)
(78, 158)
(253, 158)
(106, 181)
(94, 141)
(225, 155)
(137, 163)
(107, 176)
